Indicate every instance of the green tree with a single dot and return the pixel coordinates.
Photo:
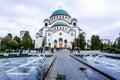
(14, 44)
(81, 41)
(105, 46)
(101, 46)
(95, 42)
(6, 41)
(10, 35)
(18, 40)
(26, 41)
(118, 44)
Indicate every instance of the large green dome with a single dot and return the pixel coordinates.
(60, 12)
(60, 24)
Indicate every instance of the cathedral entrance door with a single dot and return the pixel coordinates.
(60, 42)
(55, 45)
(60, 45)
(65, 46)
(65, 43)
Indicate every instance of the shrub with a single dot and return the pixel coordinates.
(117, 51)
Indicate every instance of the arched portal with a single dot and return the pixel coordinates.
(55, 43)
(65, 44)
(60, 42)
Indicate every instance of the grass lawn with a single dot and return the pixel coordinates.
(3, 51)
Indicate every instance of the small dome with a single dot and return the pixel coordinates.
(60, 24)
(37, 33)
(46, 20)
(74, 19)
(60, 12)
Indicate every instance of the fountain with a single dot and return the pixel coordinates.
(102, 60)
(25, 68)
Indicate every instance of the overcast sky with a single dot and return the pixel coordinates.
(99, 17)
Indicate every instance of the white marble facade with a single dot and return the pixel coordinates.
(59, 30)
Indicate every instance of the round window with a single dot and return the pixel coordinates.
(60, 33)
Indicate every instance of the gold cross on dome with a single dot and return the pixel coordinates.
(60, 7)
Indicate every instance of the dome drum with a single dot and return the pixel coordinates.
(60, 17)
(60, 24)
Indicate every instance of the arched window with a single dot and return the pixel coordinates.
(71, 33)
(55, 41)
(65, 41)
(37, 37)
(48, 34)
(49, 44)
(46, 24)
(74, 24)
(62, 16)
(60, 40)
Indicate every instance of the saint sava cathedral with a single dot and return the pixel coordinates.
(59, 30)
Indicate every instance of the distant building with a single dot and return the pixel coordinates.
(59, 30)
(22, 33)
(116, 40)
(105, 41)
(38, 40)
(88, 43)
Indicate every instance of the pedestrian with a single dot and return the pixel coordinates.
(78, 50)
(52, 50)
(41, 49)
(21, 51)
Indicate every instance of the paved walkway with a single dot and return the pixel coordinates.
(66, 65)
